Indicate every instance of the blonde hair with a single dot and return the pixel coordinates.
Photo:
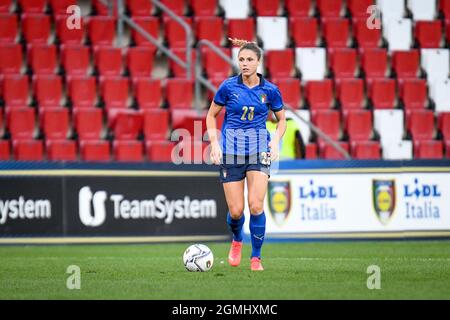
(247, 45)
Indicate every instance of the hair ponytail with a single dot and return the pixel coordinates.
(247, 45)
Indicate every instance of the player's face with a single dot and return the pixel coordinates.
(248, 62)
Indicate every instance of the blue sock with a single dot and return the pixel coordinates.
(236, 226)
(257, 232)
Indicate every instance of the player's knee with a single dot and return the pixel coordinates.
(256, 206)
(236, 211)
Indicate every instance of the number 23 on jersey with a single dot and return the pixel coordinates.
(248, 113)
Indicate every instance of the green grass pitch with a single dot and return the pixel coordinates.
(300, 270)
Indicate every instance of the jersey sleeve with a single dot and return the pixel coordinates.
(276, 101)
(221, 95)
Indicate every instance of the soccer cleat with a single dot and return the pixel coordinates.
(255, 264)
(234, 256)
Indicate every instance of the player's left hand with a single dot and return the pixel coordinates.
(273, 153)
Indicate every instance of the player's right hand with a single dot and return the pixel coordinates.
(216, 153)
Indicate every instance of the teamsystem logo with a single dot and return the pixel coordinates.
(93, 206)
(420, 200)
(317, 202)
(22, 208)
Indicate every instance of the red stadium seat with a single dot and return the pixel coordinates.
(311, 151)
(174, 33)
(128, 150)
(205, 8)
(28, 150)
(447, 149)
(75, 60)
(365, 150)
(329, 121)
(60, 6)
(108, 61)
(444, 7)
(10, 58)
(382, 93)
(156, 124)
(179, 93)
(413, 93)
(241, 28)
(291, 92)
(82, 91)
(216, 83)
(148, 93)
(48, 90)
(2, 127)
(61, 150)
(215, 66)
(189, 119)
(95, 150)
(365, 37)
(54, 122)
(268, 8)
(358, 125)
(36, 28)
(319, 94)
(350, 93)
(447, 31)
(8, 28)
(139, 8)
(114, 91)
(21, 122)
(101, 8)
(428, 149)
(5, 151)
(358, 8)
(101, 30)
(88, 123)
(178, 71)
(42, 59)
(33, 6)
(6, 6)
(304, 31)
(329, 8)
(299, 8)
(444, 125)
(420, 124)
(406, 63)
(209, 28)
(177, 6)
(160, 150)
(140, 61)
(149, 24)
(343, 62)
(15, 90)
(125, 124)
(336, 32)
(374, 62)
(280, 63)
(327, 151)
(65, 35)
(428, 34)
(192, 152)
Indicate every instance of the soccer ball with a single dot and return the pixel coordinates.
(198, 257)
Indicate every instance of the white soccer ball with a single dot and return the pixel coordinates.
(198, 257)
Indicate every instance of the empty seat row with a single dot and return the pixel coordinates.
(99, 150)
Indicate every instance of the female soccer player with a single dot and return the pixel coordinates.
(246, 150)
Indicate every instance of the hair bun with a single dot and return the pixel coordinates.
(239, 42)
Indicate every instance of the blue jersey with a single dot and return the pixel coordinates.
(246, 109)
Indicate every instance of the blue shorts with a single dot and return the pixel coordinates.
(234, 167)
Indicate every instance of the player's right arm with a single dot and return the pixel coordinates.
(216, 151)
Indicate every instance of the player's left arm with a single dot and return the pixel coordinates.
(278, 135)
